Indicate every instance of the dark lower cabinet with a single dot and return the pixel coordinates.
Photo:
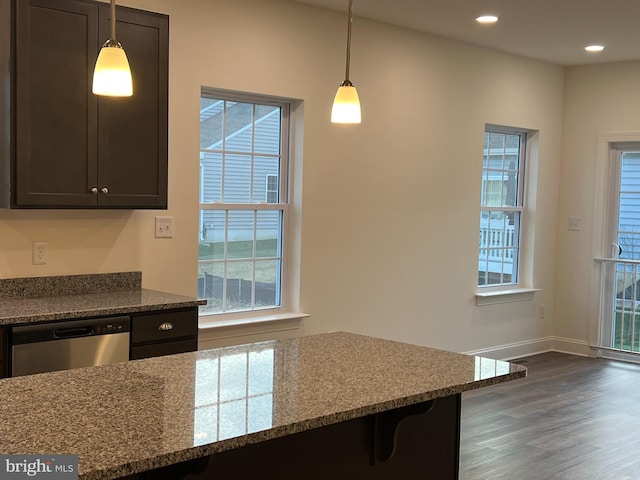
(420, 442)
(68, 148)
(4, 353)
(164, 333)
(168, 348)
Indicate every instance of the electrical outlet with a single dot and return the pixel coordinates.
(541, 312)
(40, 253)
(164, 227)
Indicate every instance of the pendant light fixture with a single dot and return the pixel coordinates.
(346, 104)
(112, 75)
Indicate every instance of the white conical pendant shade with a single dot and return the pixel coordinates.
(112, 75)
(346, 105)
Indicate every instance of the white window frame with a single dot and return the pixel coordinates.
(617, 150)
(283, 205)
(520, 208)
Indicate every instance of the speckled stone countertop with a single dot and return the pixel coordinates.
(42, 299)
(136, 416)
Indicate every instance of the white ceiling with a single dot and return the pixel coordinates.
(555, 31)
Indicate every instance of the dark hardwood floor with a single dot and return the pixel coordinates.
(572, 418)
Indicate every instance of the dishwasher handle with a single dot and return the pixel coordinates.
(73, 332)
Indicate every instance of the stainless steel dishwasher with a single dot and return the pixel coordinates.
(47, 347)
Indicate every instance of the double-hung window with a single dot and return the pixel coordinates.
(501, 206)
(244, 165)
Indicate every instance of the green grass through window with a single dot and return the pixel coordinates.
(240, 249)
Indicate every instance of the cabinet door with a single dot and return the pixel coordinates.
(56, 47)
(4, 353)
(132, 131)
(164, 333)
(6, 101)
(158, 327)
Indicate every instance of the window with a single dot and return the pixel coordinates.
(627, 234)
(244, 160)
(271, 193)
(501, 206)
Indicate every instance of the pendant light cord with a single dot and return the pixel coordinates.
(113, 20)
(350, 22)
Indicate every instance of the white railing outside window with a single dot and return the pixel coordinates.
(620, 306)
(497, 249)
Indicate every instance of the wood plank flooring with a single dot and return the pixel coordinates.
(572, 418)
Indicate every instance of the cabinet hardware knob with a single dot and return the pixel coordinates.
(165, 326)
(94, 190)
(104, 190)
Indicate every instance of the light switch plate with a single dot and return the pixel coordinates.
(164, 227)
(574, 223)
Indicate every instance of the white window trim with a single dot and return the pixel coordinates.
(236, 319)
(505, 296)
(523, 290)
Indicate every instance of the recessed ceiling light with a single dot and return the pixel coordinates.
(487, 19)
(594, 48)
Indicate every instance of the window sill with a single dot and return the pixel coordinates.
(505, 296)
(208, 322)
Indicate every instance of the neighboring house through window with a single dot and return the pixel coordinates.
(501, 206)
(244, 164)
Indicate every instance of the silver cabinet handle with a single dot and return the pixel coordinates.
(104, 190)
(94, 190)
(165, 326)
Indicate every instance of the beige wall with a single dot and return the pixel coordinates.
(390, 207)
(600, 101)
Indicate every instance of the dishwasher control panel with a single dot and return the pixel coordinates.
(115, 327)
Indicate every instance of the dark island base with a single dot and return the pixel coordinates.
(421, 441)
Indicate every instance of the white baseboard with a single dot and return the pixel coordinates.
(574, 347)
(238, 334)
(533, 347)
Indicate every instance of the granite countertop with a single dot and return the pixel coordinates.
(42, 299)
(140, 415)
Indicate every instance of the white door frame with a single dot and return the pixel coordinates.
(605, 195)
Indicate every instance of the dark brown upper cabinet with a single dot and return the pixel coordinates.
(60, 145)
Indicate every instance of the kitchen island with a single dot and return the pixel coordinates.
(339, 403)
